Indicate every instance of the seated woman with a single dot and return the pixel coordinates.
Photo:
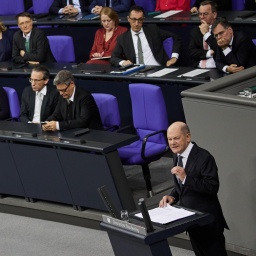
(4, 105)
(105, 38)
(172, 5)
(5, 43)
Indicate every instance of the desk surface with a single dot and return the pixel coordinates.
(184, 17)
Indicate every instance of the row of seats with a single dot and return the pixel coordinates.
(149, 121)
(14, 7)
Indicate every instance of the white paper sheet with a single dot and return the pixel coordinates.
(167, 214)
(167, 14)
(194, 73)
(162, 72)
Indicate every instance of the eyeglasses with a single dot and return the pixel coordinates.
(35, 80)
(204, 14)
(64, 90)
(133, 20)
(220, 33)
(24, 23)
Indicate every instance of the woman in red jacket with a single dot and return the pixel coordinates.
(169, 5)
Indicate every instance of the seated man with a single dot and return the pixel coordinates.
(39, 100)
(221, 4)
(118, 5)
(144, 45)
(69, 6)
(30, 43)
(76, 107)
(203, 45)
(4, 105)
(235, 51)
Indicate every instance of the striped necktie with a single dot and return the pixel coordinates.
(140, 52)
(27, 45)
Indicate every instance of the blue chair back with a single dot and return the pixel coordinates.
(148, 5)
(62, 48)
(192, 2)
(11, 7)
(109, 110)
(40, 6)
(14, 102)
(254, 41)
(237, 5)
(168, 44)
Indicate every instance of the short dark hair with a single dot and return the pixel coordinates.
(212, 4)
(111, 13)
(23, 14)
(220, 21)
(63, 77)
(136, 8)
(44, 70)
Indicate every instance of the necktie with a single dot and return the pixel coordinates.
(140, 52)
(27, 45)
(180, 163)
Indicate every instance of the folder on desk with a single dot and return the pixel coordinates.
(91, 16)
(134, 68)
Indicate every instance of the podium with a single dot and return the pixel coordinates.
(132, 239)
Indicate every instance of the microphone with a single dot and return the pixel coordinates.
(145, 215)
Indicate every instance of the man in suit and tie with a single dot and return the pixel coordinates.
(235, 50)
(196, 182)
(118, 5)
(69, 6)
(144, 44)
(76, 107)
(39, 100)
(203, 45)
(30, 44)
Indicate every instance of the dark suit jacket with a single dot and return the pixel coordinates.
(58, 4)
(243, 53)
(84, 110)
(201, 186)
(222, 4)
(117, 5)
(6, 46)
(39, 47)
(4, 105)
(124, 49)
(49, 103)
(196, 47)
(250, 5)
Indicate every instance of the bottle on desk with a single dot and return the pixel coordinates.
(250, 92)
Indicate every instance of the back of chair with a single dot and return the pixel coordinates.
(11, 7)
(62, 48)
(149, 110)
(109, 110)
(237, 5)
(14, 102)
(148, 5)
(168, 43)
(42, 6)
(254, 41)
(192, 2)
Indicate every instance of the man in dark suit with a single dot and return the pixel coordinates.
(151, 37)
(39, 100)
(117, 5)
(235, 50)
(4, 105)
(76, 107)
(203, 45)
(196, 182)
(30, 43)
(69, 6)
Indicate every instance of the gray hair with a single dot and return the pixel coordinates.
(63, 77)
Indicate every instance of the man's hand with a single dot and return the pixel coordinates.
(171, 62)
(49, 126)
(194, 10)
(97, 9)
(166, 200)
(179, 172)
(233, 68)
(69, 9)
(22, 52)
(223, 43)
(204, 27)
(126, 62)
(34, 62)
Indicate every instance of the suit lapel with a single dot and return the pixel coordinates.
(131, 49)
(44, 103)
(149, 38)
(191, 159)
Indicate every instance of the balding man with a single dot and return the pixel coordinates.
(196, 186)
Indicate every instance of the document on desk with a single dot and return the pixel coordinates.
(167, 14)
(167, 214)
(162, 72)
(194, 73)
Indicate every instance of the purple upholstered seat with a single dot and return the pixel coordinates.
(14, 102)
(168, 43)
(151, 122)
(148, 5)
(237, 5)
(11, 7)
(40, 6)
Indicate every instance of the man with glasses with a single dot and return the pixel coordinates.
(76, 107)
(235, 51)
(144, 44)
(30, 45)
(39, 100)
(118, 5)
(202, 45)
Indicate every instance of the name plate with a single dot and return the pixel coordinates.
(125, 225)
